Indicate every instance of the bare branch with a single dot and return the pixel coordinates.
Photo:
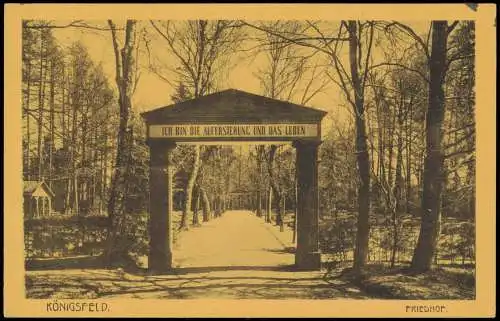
(298, 41)
(412, 34)
(342, 86)
(368, 54)
(452, 26)
(118, 74)
(424, 77)
(73, 24)
(170, 42)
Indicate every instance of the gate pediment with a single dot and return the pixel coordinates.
(233, 115)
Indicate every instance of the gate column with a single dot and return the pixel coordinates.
(307, 254)
(161, 206)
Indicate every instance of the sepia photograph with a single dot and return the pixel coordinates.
(236, 159)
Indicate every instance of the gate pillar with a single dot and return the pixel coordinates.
(307, 254)
(161, 206)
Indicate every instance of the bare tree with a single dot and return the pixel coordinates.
(433, 164)
(438, 63)
(202, 50)
(290, 74)
(116, 250)
(356, 34)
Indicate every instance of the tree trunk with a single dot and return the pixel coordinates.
(294, 235)
(215, 205)
(51, 149)
(116, 251)
(28, 134)
(260, 150)
(471, 171)
(391, 150)
(205, 205)
(279, 209)
(67, 198)
(41, 99)
(189, 189)
(398, 182)
(196, 218)
(433, 163)
(274, 186)
(381, 150)
(269, 204)
(397, 191)
(394, 244)
(283, 213)
(95, 163)
(362, 156)
(105, 163)
(72, 177)
(408, 157)
(75, 195)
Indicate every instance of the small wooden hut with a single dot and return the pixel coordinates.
(37, 199)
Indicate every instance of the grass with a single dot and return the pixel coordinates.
(445, 283)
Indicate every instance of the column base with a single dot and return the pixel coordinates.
(160, 264)
(308, 261)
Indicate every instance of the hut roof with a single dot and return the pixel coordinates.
(31, 186)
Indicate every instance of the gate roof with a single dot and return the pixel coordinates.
(230, 106)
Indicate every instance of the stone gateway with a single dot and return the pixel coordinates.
(225, 117)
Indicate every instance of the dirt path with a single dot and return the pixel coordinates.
(236, 256)
(238, 238)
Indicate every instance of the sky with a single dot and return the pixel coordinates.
(152, 92)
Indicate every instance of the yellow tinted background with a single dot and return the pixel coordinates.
(16, 304)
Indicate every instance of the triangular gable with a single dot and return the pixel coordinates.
(233, 105)
(31, 186)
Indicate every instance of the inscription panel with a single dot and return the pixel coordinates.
(180, 131)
